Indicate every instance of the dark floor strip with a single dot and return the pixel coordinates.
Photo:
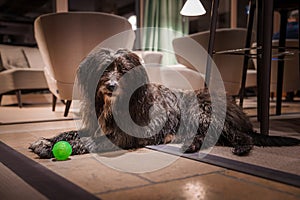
(39, 177)
(263, 172)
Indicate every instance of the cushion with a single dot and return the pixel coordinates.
(34, 57)
(13, 57)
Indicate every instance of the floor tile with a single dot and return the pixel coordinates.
(90, 174)
(181, 168)
(211, 186)
(264, 182)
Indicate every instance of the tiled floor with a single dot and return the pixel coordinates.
(181, 179)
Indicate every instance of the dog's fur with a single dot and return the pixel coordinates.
(160, 114)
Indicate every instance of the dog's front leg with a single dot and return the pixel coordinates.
(192, 145)
(99, 144)
(43, 146)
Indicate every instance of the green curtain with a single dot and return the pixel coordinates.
(162, 23)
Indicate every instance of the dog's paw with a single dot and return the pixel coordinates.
(191, 148)
(42, 142)
(78, 147)
(192, 145)
(42, 147)
(242, 150)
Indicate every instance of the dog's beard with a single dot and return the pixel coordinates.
(106, 118)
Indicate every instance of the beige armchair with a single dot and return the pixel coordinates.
(175, 76)
(230, 66)
(23, 70)
(291, 76)
(150, 57)
(64, 39)
(171, 76)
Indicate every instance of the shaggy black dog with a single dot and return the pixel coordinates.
(121, 109)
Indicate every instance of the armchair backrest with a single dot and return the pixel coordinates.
(229, 66)
(64, 39)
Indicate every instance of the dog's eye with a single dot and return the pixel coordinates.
(107, 69)
(120, 67)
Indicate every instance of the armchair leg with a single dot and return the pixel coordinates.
(68, 104)
(1, 98)
(18, 94)
(54, 99)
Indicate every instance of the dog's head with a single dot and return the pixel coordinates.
(125, 70)
(103, 75)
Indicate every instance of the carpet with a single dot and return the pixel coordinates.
(280, 164)
(261, 166)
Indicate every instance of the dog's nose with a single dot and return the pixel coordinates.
(111, 86)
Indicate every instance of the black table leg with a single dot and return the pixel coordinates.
(299, 39)
(247, 52)
(267, 17)
(213, 27)
(259, 56)
(280, 70)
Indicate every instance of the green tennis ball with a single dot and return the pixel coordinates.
(62, 150)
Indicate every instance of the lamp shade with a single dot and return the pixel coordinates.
(192, 8)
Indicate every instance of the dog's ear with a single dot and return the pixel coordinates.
(99, 101)
(92, 67)
(134, 58)
(131, 61)
(89, 73)
(130, 56)
(137, 61)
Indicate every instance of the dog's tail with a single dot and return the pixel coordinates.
(266, 140)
